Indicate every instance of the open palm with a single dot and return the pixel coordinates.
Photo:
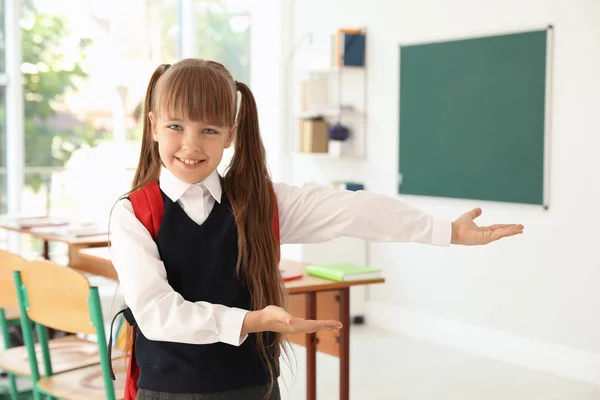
(466, 232)
(279, 320)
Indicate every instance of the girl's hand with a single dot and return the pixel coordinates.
(276, 319)
(466, 232)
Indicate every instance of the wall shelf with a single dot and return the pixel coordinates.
(338, 95)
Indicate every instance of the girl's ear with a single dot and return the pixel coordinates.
(231, 135)
(153, 127)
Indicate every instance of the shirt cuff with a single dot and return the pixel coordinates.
(231, 326)
(441, 233)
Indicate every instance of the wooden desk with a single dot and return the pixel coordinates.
(74, 243)
(310, 298)
(95, 260)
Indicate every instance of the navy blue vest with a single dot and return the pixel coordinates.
(200, 261)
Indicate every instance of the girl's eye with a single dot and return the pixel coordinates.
(210, 131)
(175, 127)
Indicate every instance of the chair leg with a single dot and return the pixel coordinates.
(12, 382)
(37, 395)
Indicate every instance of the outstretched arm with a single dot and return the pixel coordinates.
(316, 214)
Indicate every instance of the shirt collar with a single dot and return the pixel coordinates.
(175, 188)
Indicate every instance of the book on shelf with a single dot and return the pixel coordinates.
(344, 272)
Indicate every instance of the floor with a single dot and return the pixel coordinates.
(388, 366)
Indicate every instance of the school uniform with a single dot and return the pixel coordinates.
(182, 288)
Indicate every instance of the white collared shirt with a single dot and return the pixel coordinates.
(311, 214)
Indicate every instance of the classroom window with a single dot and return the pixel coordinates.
(223, 34)
(85, 67)
(83, 133)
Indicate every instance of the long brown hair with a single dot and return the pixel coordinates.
(205, 91)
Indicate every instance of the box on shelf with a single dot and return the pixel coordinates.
(314, 135)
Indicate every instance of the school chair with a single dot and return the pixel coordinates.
(13, 359)
(9, 309)
(58, 297)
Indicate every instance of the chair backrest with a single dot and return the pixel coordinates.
(57, 297)
(9, 262)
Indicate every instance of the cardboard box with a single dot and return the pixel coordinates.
(314, 136)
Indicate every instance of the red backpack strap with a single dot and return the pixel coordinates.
(131, 379)
(148, 207)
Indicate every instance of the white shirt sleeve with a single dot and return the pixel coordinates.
(160, 312)
(316, 214)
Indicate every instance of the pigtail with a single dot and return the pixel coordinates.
(148, 168)
(251, 195)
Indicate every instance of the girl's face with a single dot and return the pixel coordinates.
(191, 150)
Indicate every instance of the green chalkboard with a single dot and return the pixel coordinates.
(472, 115)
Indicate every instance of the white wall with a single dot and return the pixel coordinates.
(543, 286)
(269, 44)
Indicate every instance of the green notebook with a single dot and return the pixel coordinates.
(344, 272)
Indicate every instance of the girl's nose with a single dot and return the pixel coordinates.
(191, 142)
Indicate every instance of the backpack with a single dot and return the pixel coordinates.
(148, 207)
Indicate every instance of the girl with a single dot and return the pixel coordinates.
(206, 293)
